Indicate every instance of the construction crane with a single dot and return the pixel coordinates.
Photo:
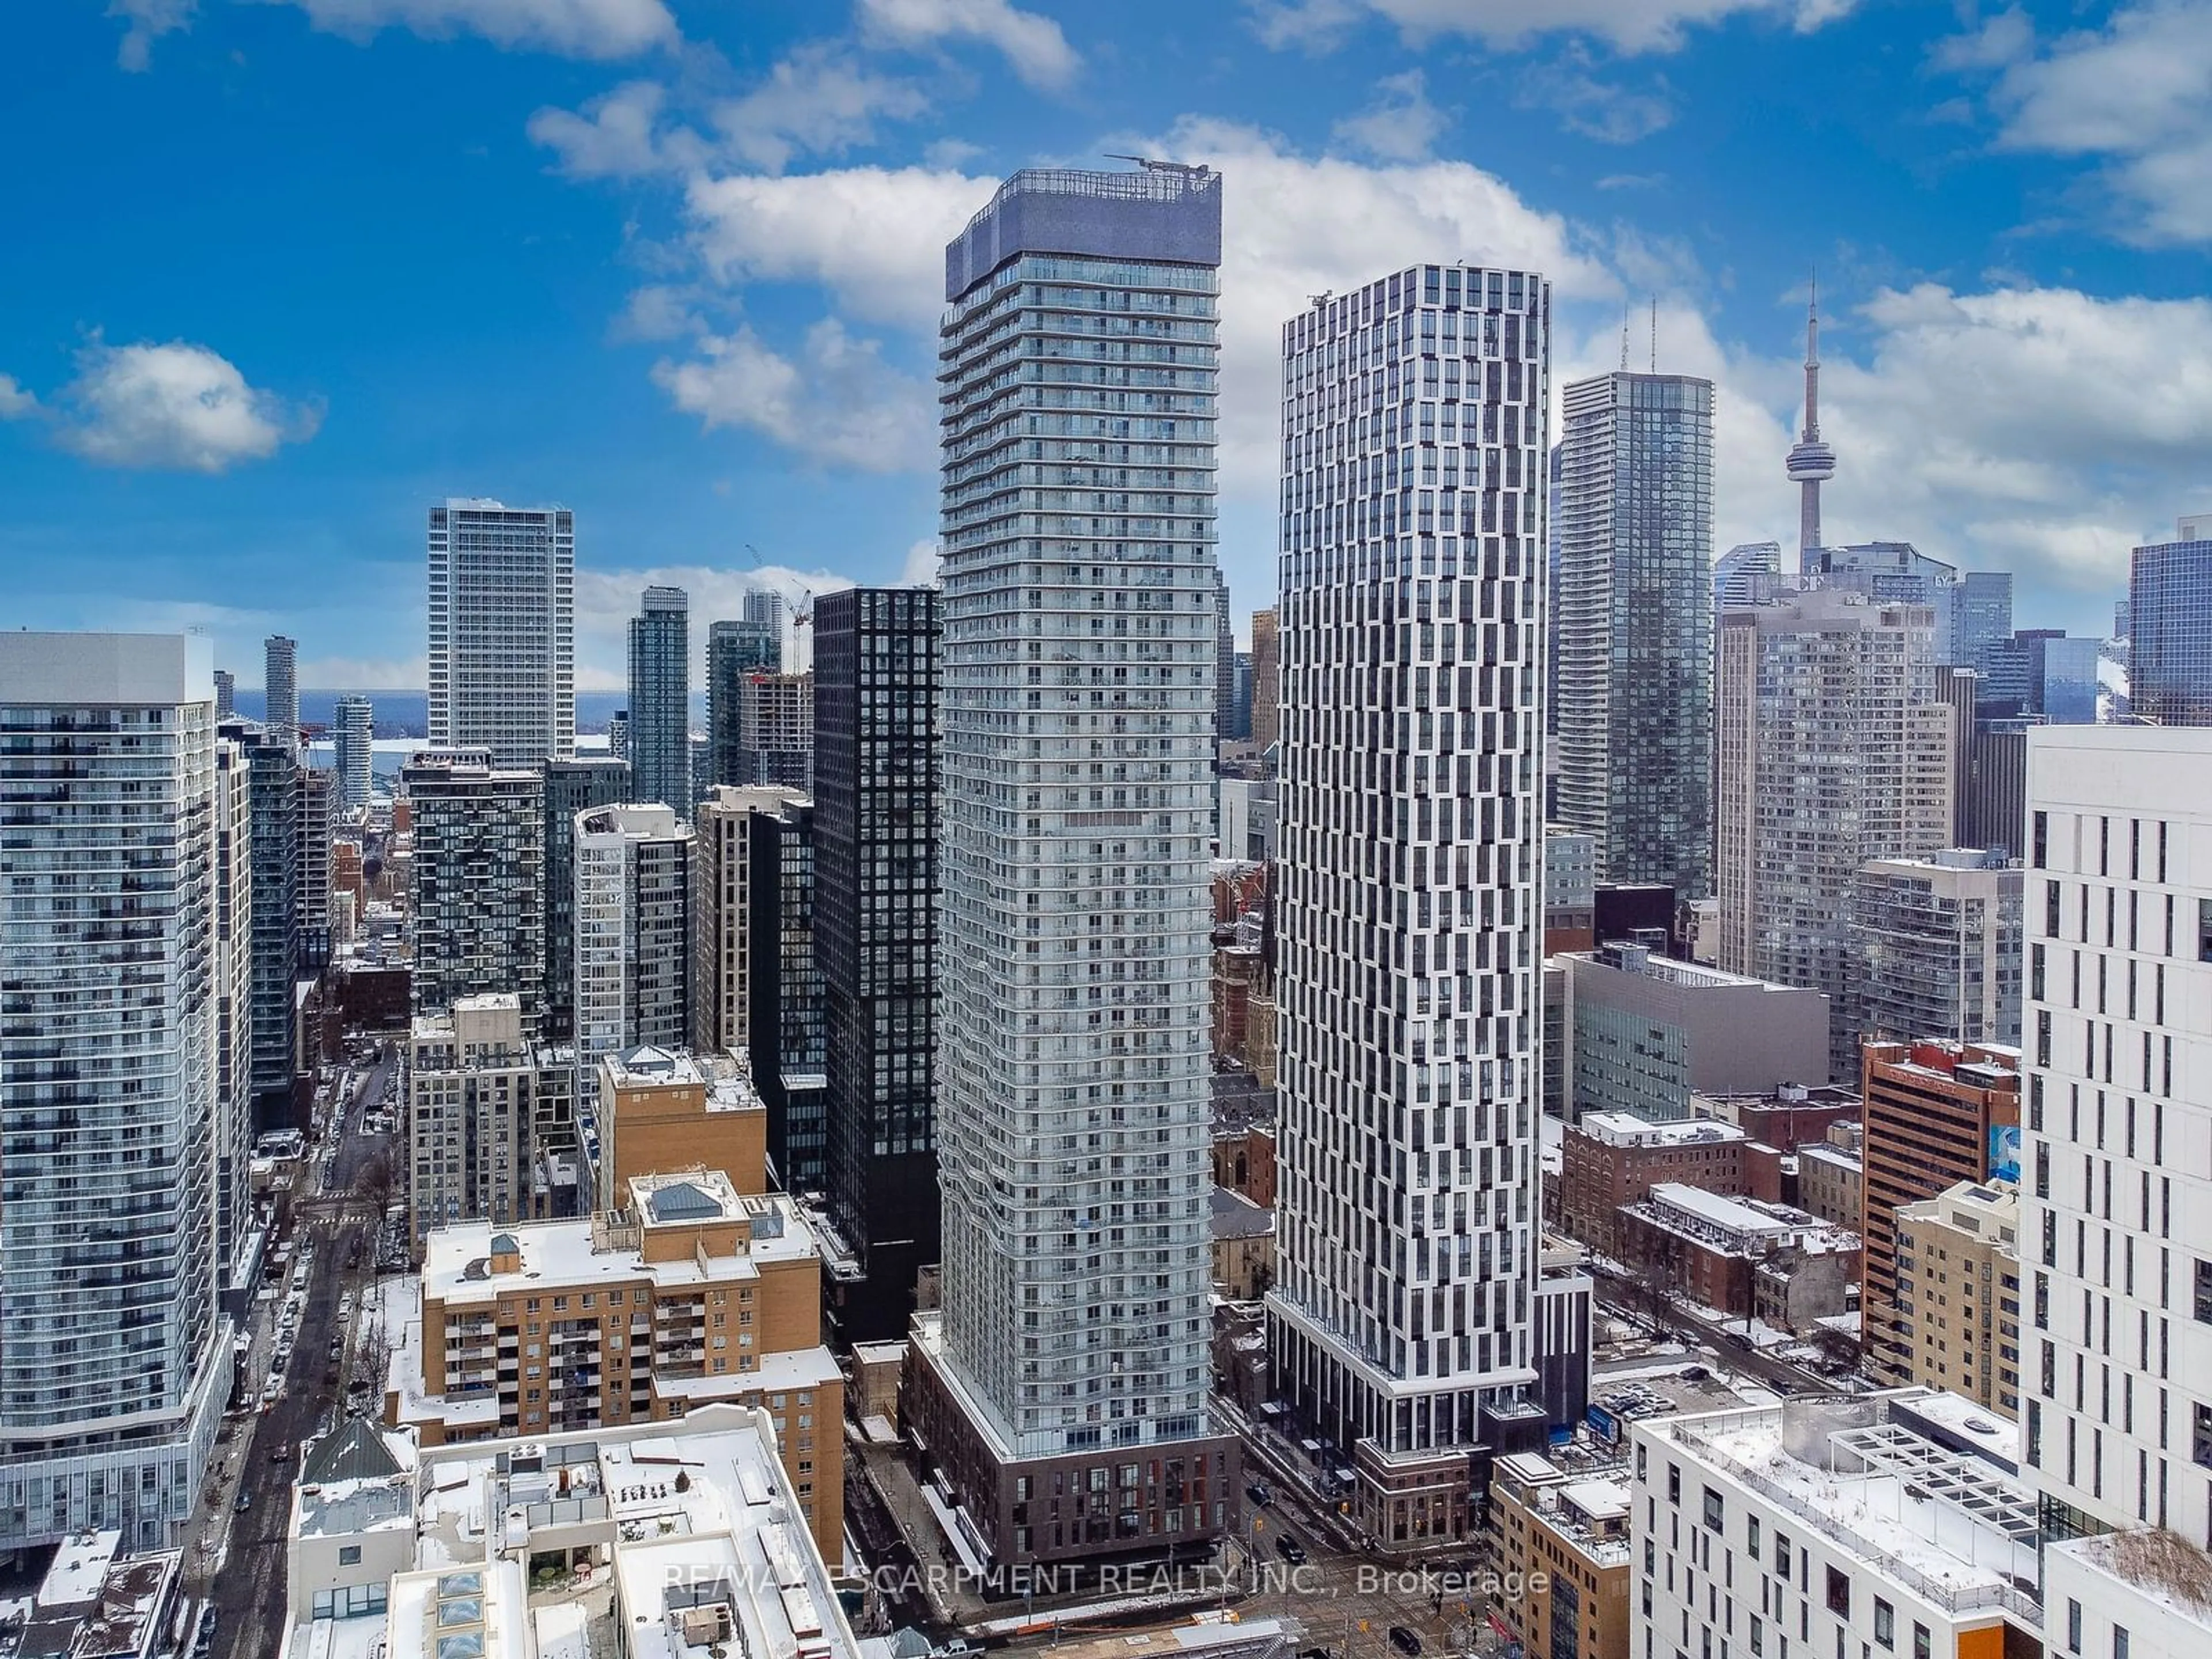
(802, 613)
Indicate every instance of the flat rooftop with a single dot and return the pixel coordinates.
(1626, 1129)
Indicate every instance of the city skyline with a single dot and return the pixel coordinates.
(1988, 274)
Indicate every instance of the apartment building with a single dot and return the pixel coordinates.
(1958, 1291)
(1559, 1525)
(480, 1100)
(691, 1294)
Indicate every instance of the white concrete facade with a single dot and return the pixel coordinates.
(1411, 910)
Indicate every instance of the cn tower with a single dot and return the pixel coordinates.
(1810, 461)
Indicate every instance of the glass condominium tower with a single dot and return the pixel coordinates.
(1633, 657)
(503, 636)
(116, 1359)
(1077, 363)
(1412, 577)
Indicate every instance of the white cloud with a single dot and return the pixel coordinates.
(15, 400)
(1031, 44)
(656, 312)
(1626, 25)
(874, 236)
(2137, 92)
(1400, 125)
(571, 28)
(1610, 113)
(176, 406)
(148, 20)
(617, 136)
(820, 99)
(839, 404)
(922, 561)
(2004, 37)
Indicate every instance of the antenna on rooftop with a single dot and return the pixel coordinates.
(1655, 334)
(1624, 336)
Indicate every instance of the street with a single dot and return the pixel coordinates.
(244, 1576)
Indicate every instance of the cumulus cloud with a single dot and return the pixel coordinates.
(617, 136)
(1401, 124)
(176, 406)
(570, 28)
(1631, 26)
(838, 403)
(15, 400)
(147, 21)
(1032, 45)
(2135, 93)
(820, 99)
(1596, 108)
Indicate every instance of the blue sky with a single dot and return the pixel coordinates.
(284, 271)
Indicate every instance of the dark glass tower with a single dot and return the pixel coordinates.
(660, 699)
(735, 650)
(1632, 626)
(784, 993)
(875, 933)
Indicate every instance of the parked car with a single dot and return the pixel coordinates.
(1404, 1640)
(1258, 1493)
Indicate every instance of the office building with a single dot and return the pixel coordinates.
(1610, 1159)
(353, 731)
(1832, 751)
(1401, 1326)
(2170, 627)
(696, 1292)
(118, 1361)
(226, 694)
(618, 735)
(503, 637)
(477, 1106)
(1981, 615)
(1240, 713)
(476, 915)
(1958, 1291)
(633, 931)
(2119, 1409)
(1895, 1523)
(876, 691)
(1073, 1340)
(1647, 1032)
(1935, 1113)
(2042, 673)
(725, 828)
(660, 699)
(571, 787)
(280, 688)
(1266, 680)
(1570, 890)
(1631, 658)
(1937, 947)
(1748, 574)
(775, 731)
(736, 650)
(1892, 573)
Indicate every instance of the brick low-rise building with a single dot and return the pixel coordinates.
(1743, 1258)
(1612, 1159)
(691, 1294)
